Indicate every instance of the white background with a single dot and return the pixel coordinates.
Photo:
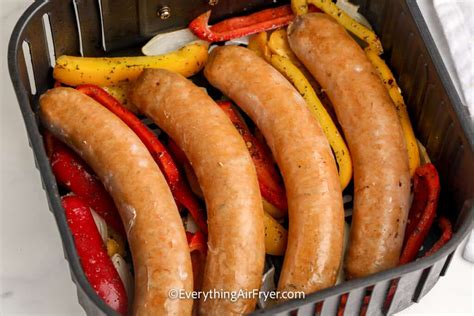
(34, 276)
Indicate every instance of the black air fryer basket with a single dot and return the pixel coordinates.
(50, 28)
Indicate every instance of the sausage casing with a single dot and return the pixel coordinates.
(226, 174)
(374, 135)
(155, 231)
(316, 215)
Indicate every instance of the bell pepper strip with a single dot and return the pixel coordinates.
(422, 212)
(57, 84)
(197, 242)
(299, 7)
(420, 218)
(363, 308)
(338, 145)
(330, 8)
(181, 191)
(106, 71)
(264, 20)
(424, 157)
(116, 243)
(278, 44)
(251, 19)
(447, 234)
(177, 153)
(270, 182)
(276, 236)
(258, 44)
(73, 173)
(120, 92)
(198, 249)
(394, 91)
(272, 209)
(96, 264)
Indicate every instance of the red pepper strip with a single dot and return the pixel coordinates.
(196, 241)
(446, 227)
(57, 84)
(271, 185)
(447, 234)
(251, 19)
(198, 248)
(95, 262)
(363, 308)
(74, 174)
(423, 210)
(181, 191)
(265, 20)
(178, 153)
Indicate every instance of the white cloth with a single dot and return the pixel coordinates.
(456, 20)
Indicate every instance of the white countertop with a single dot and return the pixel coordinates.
(34, 276)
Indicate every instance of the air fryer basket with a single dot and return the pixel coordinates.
(51, 28)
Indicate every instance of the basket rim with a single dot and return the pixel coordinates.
(51, 188)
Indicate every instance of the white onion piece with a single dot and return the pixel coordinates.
(212, 47)
(352, 10)
(101, 225)
(238, 41)
(167, 42)
(123, 270)
(190, 225)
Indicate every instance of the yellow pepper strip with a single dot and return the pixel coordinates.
(299, 7)
(397, 98)
(258, 44)
(120, 92)
(362, 32)
(297, 78)
(424, 158)
(278, 44)
(275, 236)
(272, 210)
(106, 71)
(115, 243)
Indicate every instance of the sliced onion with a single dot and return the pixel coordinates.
(167, 42)
(190, 225)
(123, 270)
(353, 11)
(238, 41)
(101, 225)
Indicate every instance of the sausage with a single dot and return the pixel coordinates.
(374, 135)
(316, 214)
(151, 219)
(226, 174)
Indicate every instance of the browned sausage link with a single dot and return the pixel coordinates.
(302, 152)
(155, 231)
(226, 175)
(374, 135)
